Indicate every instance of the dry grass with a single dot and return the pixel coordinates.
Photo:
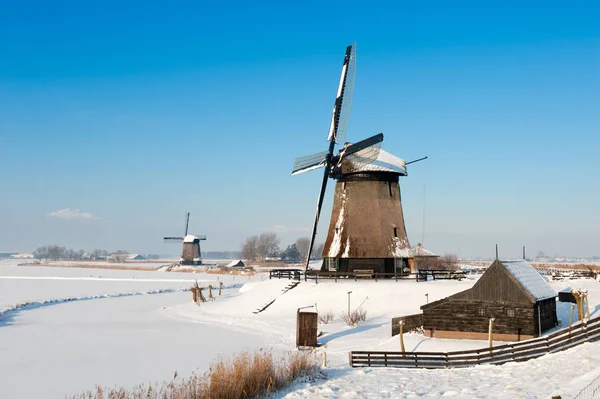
(355, 317)
(247, 375)
(326, 317)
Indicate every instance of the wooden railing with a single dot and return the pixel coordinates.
(519, 351)
(286, 273)
(316, 275)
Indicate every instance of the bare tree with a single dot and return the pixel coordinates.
(41, 253)
(317, 251)
(446, 262)
(268, 245)
(449, 262)
(56, 253)
(302, 245)
(250, 248)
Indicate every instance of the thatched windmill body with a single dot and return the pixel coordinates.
(191, 253)
(366, 230)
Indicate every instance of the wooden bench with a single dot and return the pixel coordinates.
(366, 273)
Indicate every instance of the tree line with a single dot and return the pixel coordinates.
(266, 245)
(55, 252)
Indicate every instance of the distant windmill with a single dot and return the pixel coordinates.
(366, 230)
(191, 254)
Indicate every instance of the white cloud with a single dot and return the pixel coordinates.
(71, 214)
(279, 228)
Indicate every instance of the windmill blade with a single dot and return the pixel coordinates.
(343, 102)
(201, 238)
(357, 161)
(173, 238)
(319, 206)
(309, 162)
(373, 141)
(187, 222)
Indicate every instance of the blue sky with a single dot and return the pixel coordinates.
(137, 113)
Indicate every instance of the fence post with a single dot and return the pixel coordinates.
(350, 359)
(385, 359)
(401, 325)
(369, 359)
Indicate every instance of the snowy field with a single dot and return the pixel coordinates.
(127, 327)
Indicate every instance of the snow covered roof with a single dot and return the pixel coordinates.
(385, 162)
(529, 278)
(419, 250)
(236, 262)
(190, 238)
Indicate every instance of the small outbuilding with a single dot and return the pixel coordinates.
(421, 258)
(513, 293)
(238, 264)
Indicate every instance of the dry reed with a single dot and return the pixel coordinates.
(246, 375)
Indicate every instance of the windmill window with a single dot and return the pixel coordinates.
(390, 188)
(510, 312)
(481, 312)
(395, 232)
(344, 186)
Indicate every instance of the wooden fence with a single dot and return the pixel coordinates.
(286, 273)
(519, 351)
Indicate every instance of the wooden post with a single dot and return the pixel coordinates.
(220, 286)
(571, 318)
(490, 333)
(324, 356)
(210, 295)
(401, 325)
(349, 292)
(426, 298)
(539, 321)
(587, 306)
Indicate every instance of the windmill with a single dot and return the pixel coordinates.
(191, 254)
(366, 230)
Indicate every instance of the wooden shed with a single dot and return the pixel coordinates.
(512, 292)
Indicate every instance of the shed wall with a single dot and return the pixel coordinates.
(463, 315)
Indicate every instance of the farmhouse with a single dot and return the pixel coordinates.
(513, 293)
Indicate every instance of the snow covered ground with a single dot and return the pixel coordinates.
(126, 340)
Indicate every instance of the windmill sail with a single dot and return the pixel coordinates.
(337, 133)
(343, 102)
(309, 162)
(383, 162)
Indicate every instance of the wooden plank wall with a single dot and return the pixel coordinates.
(411, 323)
(463, 315)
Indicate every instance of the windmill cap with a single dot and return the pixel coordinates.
(190, 238)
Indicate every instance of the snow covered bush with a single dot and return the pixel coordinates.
(326, 317)
(355, 317)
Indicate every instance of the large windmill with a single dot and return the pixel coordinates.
(366, 230)
(191, 254)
